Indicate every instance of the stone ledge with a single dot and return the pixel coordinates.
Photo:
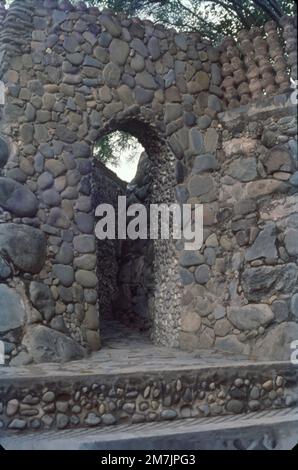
(277, 105)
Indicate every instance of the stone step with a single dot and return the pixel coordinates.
(274, 429)
(133, 384)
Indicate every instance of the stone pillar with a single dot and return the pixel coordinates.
(289, 25)
(232, 72)
(277, 56)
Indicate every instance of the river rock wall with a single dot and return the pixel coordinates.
(72, 74)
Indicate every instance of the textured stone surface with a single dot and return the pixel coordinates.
(42, 299)
(250, 316)
(47, 345)
(25, 246)
(264, 245)
(260, 283)
(276, 345)
(17, 198)
(12, 310)
(4, 152)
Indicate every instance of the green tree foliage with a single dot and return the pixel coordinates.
(112, 147)
(213, 19)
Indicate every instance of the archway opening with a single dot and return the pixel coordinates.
(138, 286)
(122, 167)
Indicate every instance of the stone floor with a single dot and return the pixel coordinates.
(125, 351)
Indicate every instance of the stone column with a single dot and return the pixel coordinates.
(289, 25)
(277, 56)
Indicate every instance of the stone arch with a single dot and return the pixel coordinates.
(163, 313)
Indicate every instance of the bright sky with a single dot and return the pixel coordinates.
(126, 170)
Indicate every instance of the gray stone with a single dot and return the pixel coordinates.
(277, 159)
(143, 96)
(119, 51)
(276, 344)
(17, 198)
(204, 122)
(191, 258)
(186, 277)
(111, 25)
(112, 74)
(86, 279)
(139, 47)
(172, 112)
(108, 419)
(146, 80)
(196, 141)
(86, 262)
(153, 47)
(264, 244)
(204, 162)
(235, 406)
(64, 273)
(5, 270)
(58, 218)
(291, 241)
(280, 310)
(243, 169)
(211, 140)
(199, 185)
(51, 197)
(202, 274)
(168, 414)
(45, 181)
(262, 282)
(230, 344)
(47, 345)
(250, 317)
(18, 424)
(21, 359)
(12, 309)
(57, 323)
(214, 103)
(65, 254)
(25, 246)
(4, 152)
(42, 299)
(85, 244)
(294, 305)
(92, 419)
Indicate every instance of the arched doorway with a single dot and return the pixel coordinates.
(137, 287)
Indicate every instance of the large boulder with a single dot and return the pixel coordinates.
(25, 246)
(276, 345)
(42, 299)
(4, 152)
(262, 282)
(17, 198)
(251, 316)
(12, 310)
(47, 345)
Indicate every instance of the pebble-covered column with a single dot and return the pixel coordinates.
(277, 57)
(290, 36)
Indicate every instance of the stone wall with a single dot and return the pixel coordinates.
(98, 400)
(241, 289)
(74, 74)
